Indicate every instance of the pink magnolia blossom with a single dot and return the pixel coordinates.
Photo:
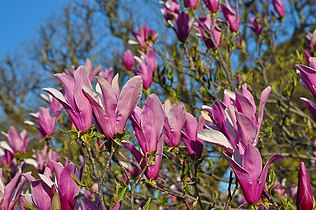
(16, 141)
(147, 66)
(212, 5)
(74, 101)
(249, 172)
(311, 40)
(191, 3)
(174, 122)
(308, 78)
(44, 156)
(53, 104)
(170, 10)
(182, 26)
(128, 60)
(305, 198)
(45, 123)
(108, 74)
(91, 72)
(148, 125)
(12, 191)
(231, 15)
(234, 121)
(211, 36)
(45, 189)
(145, 37)
(255, 26)
(279, 7)
(111, 106)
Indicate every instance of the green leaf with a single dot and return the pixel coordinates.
(55, 205)
(78, 182)
(146, 206)
(29, 207)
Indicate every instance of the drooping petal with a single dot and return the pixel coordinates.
(310, 105)
(216, 137)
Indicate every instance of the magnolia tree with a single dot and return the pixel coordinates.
(185, 130)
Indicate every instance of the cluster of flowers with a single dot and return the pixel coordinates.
(208, 27)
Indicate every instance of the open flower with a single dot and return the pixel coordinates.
(16, 141)
(74, 101)
(12, 191)
(231, 15)
(249, 172)
(147, 66)
(233, 122)
(148, 124)
(111, 107)
(48, 194)
(209, 32)
(170, 10)
(145, 37)
(45, 123)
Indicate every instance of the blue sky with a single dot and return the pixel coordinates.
(19, 20)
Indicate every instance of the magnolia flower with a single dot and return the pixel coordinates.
(112, 107)
(91, 72)
(191, 3)
(211, 36)
(128, 59)
(16, 141)
(108, 74)
(148, 124)
(170, 10)
(145, 37)
(311, 40)
(212, 5)
(44, 156)
(308, 78)
(48, 194)
(182, 26)
(231, 16)
(147, 66)
(279, 7)
(249, 172)
(190, 138)
(234, 123)
(74, 101)
(176, 116)
(53, 104)
(45, 123)
(305, 198)
(12, 191)
(255, 26)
